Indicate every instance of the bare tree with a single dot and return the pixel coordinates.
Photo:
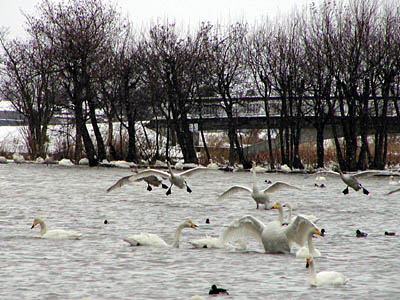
(80, 33)
(172, 67)
(29, 82)
(227, 73)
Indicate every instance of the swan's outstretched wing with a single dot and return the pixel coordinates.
(326, 172)
(139, 176)
(394, 191)
(366, 173)
(278, 186)
(298, 230)
(196, 170)
(232, 190)
(121, 182)
(247, 226)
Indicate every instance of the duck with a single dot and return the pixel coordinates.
(324, 277)
(390, 233)
(217, 291)
(259, 196)
(276, 239)
(56, 234)
(177, 179)
(360, 233)
(351, 180)
(153, 240)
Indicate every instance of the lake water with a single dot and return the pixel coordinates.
(102, 266)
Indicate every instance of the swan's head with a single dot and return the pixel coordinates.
(308, 262)
(189, 224)
(36, 221)
(277, 205)
(287, 205)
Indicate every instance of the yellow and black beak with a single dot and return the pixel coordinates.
(34, 224)
(307, 262)
(320, 232)
(192, 225)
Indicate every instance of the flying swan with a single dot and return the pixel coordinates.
(324, 277)
(150, 239)
(56, 234)
(177, 179)
(275, 237)
(151, 180)
(259, 196)
(351, 179)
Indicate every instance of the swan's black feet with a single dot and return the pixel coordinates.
(149, 188)
(188, 189)
(346, 191)
(164, 186)
(365, 192)
(168, 192)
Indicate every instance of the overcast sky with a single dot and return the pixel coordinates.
(184, 12)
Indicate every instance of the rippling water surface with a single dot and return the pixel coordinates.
(102, 266)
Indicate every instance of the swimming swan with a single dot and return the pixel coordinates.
(177, 179)
(275, 237)
(150, 239)
(351, 179)
(324, 277)
(259, 196)
(56, 234)
(210, 242)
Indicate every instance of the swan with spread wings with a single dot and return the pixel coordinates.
(274, 237)
(177, 179)
(259, 196)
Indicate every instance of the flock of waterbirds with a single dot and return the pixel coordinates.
(279, 236)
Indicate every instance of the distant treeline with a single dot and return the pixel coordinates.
(83, 57)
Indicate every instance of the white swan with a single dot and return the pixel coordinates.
(210, 242)
(351, 179)
(212, 165)
(65, 162)
(312, 218)
(259, 196)
(274, 237)
(151, 180)
(57, 234)
(324, 277)
(150, 239)
(177, 179)
(392, 181)
(308, 250)
(179, 165)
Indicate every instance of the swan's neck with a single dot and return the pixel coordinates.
(280, 216)
(175, 243)
(43, 228)
(311, 249)
(289, 218)
(313, 272)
